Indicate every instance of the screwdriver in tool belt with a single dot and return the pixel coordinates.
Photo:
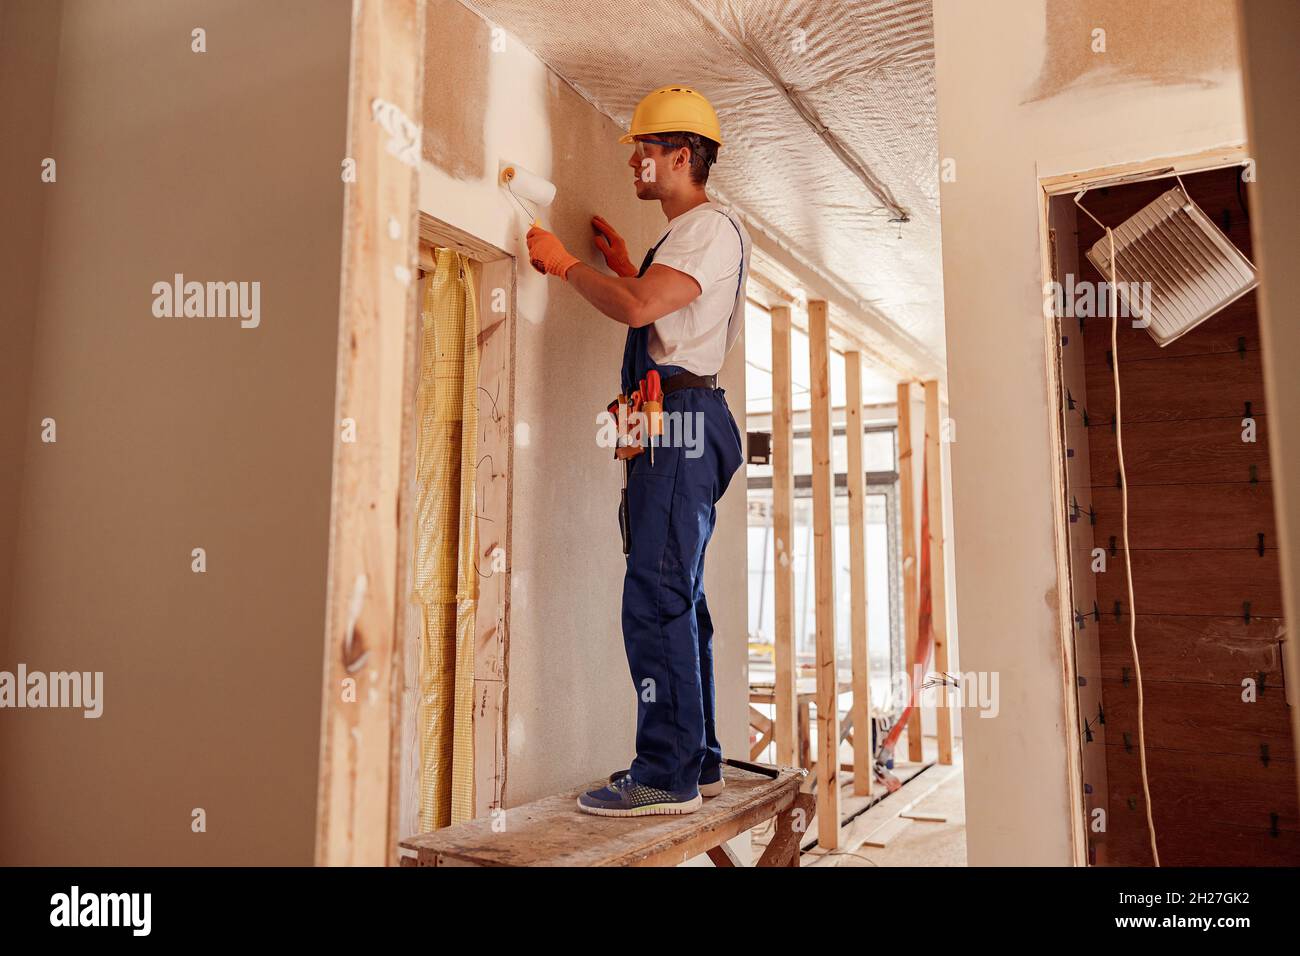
(618, 408)
(642, 430)
(654, 407)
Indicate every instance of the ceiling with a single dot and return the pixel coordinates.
(878, 386)
(829, 127)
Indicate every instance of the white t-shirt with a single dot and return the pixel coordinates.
(712, 247)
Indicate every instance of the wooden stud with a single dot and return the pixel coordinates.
(783, 538)
(828, 720)
(858, 643)
(938, 577)
(377, 299)
(409, 621)
(907, 508)
(803, 729)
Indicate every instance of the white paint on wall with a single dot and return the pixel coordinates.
(571, 700)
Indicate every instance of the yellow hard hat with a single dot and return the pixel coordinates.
(672, 109)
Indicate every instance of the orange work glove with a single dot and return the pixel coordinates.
(548, 254)
(613, 248)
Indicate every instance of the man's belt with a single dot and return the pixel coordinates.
(688, 380)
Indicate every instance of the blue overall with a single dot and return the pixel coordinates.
(667, 630)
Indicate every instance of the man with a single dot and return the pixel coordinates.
(684, 308)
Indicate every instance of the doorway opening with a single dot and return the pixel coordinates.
(1179, 466)
(454, 535)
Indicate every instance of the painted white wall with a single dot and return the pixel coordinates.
(988, 60)
(572, 714)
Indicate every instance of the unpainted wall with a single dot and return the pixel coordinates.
(176, 433)
(29, 41)
(571, 702)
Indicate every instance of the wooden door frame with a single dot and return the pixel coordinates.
(495, 269)
(362, 666)
(1048, 188)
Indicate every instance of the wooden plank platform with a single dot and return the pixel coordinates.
(1179, 452)
(1214, 583)
(1180, 387)
(1216, 650)
(553, 832)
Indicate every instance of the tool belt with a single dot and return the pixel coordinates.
(646, 402)
(630, 449)
(689, 380)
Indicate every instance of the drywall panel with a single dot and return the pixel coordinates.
(571, 710)
(180, 433)
(29, 53)
(999, 130)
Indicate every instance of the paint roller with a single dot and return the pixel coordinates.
(521, 184)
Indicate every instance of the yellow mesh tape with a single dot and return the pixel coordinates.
(462, 769)
(445, 576)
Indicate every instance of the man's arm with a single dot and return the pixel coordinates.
(632, 301)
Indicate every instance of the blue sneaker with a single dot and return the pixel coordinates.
(625, 797)
(711, 782)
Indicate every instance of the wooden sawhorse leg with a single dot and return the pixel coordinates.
(791, 825)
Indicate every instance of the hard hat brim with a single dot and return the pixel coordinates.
(630, 136)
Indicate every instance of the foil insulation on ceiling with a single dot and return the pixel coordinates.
(828, 110)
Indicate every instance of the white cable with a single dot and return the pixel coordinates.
(1128, 562)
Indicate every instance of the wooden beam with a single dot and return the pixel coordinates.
(783, 538)
(409, 621)
(828, 720)
(907, 509)
(858, 643)
(1192, 163)
(362, 668)
(938, 577)
(774, 289)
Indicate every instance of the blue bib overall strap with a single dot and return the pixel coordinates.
(636, 349)
(667, 629)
